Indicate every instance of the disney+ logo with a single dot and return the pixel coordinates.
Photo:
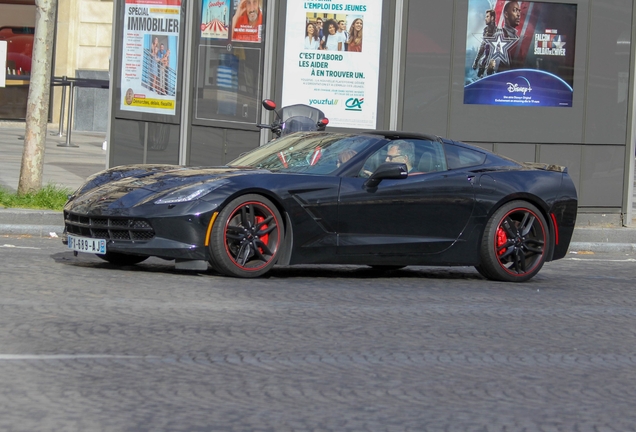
(522, 85)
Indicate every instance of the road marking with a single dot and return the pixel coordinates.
(66, 356)
(604, 260)
(18, 247)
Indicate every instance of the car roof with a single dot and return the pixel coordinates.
(389, 134)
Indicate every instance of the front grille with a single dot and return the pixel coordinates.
(109, 228)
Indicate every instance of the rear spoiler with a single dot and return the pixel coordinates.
(546, 167)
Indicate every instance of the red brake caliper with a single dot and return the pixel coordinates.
(502, 238)
(264, 238)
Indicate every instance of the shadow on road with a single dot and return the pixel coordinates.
(157, 265)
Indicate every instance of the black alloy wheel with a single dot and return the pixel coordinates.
(247, 237)
(515, 243)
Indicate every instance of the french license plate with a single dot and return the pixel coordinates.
(83, 244)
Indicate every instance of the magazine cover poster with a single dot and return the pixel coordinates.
(215, 19)
(247, 21)
(149, 57)
(520, 53)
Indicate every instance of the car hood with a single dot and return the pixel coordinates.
(143, 184)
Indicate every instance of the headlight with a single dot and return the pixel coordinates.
(191, 193)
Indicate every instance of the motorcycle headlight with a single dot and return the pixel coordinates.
(190, 193)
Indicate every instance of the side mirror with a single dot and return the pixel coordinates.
(269, 105)
(322, 124)
(387, 171)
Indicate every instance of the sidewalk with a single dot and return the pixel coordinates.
(70, 166)
(63, 166)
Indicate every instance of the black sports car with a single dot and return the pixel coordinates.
(381, 198)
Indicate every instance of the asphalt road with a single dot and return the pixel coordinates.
(85, 346)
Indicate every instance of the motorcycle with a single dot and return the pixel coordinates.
(294, 118)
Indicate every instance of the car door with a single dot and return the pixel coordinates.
(312, 203)
(424, 213)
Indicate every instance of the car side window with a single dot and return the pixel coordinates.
(421, 156)
(429, 156)
(373, 162)
(460, 157)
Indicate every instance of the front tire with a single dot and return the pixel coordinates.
(247, 237)
(515, 243)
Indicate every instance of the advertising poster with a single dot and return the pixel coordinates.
(520, 53)
(242, 19)
(332, 59)
(149, 63)
(215, 19)
(3, 63)
(247, 21)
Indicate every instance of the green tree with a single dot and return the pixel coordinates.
(38, 101)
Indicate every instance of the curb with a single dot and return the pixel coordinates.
(31, 217)
(31, 230)
(602, 247)
(40, 223)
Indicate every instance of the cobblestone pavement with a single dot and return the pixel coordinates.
(88, 347)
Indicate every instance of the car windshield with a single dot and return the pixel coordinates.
(306, 152)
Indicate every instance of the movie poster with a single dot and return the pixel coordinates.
(520, 53)
(215, 19)
(149, 63)
(332, 59)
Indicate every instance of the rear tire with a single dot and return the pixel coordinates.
(515, 243)
(247, 237)
(482, 271)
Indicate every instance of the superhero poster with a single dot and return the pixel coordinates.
(520, 53)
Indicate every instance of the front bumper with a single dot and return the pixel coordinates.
(164, 236)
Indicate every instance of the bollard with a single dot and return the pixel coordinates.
(60, 132)
(70, 119)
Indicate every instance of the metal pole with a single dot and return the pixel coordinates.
(70, 119)
(398, 54)
(268, 67)
(188, 61)
(145, 142)
(60, 132)
(630, 140)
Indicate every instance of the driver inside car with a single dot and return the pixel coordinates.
(402, 152)
(398, 151)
